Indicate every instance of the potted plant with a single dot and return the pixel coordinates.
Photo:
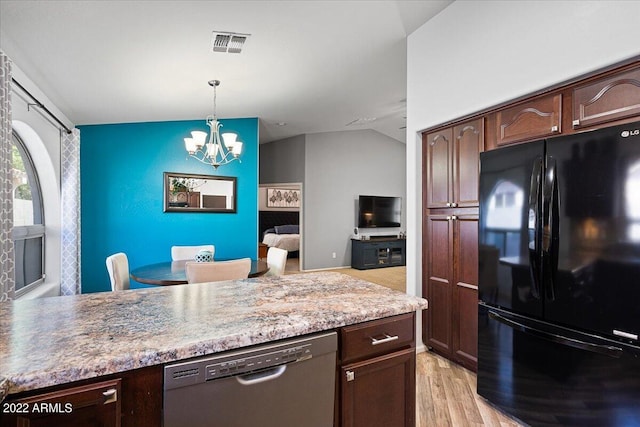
(179, 191)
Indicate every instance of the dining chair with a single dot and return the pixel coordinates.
(189, 252)
(118, 268)
(276, 260)
(199, 272)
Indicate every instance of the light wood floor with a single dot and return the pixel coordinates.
(446, 396)
(445, 392)
(391, 277)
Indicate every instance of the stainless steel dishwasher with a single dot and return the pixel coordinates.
(289, 383)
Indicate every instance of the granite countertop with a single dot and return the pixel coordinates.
(51, 341)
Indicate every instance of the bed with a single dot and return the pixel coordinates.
(280, 229)
(289, 241)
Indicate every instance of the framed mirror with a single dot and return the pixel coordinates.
(199, 193)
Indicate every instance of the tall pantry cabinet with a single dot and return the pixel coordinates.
(450, 232)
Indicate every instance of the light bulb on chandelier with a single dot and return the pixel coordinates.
(217, 151)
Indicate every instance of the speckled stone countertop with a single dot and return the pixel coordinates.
(58, 340)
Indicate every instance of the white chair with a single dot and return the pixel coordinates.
(118, 268)
(200, 272)
(277, 261)
(189, 252)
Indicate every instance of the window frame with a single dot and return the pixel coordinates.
(38, 229)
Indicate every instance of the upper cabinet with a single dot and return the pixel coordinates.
(468, 143)
(451, 156)
(533, 119)
(438, 149)
(603, 99)
(607, 99)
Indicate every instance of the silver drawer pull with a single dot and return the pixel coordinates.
(387, 338)
(110, 396)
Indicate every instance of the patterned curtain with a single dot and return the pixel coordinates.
(7, 281)
(70, 253)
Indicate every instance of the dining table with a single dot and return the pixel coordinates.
(173, 272)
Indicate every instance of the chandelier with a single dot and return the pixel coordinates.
(217, 151)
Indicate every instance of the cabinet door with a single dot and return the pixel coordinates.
(439, 262)
(438, 149)
(468, 142)
(380, 391)
(607, 99)
(371, 255)
(534, 119)
(465, 294)
(85, 406)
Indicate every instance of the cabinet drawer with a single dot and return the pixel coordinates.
(92, 404)
(377, 337)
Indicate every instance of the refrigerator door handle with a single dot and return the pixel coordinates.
(550, 204)
(606, 350)
(534, 227)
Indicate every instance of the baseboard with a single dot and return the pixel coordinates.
(325, 269)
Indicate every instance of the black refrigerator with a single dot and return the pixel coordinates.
(559, 279)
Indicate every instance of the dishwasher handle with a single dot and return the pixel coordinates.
(261, 376)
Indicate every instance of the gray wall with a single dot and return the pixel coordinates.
(282, 161)
(339, 167)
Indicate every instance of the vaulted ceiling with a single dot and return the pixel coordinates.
(307, 66)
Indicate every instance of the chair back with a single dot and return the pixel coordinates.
(118, 268)
(189, 252)
(277, 261)
(199, 272)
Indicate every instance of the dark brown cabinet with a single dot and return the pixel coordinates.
(451, 159)
(465, 290)
(530, 120)
(438, 264)
(377, 373)
(608, 99)
(128, 399)
(437, 151)
(378, 392)
(451, 261)
(95, 404)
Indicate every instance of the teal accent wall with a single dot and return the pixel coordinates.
(121, 172)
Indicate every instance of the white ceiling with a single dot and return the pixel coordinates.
(314, 65)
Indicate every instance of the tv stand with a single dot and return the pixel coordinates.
(378, 252)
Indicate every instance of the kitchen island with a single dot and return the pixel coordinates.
(61, 340)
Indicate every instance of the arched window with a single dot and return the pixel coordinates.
(28, 220)
(505, 206)
(632, 196)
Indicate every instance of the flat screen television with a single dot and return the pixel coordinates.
(379, 211)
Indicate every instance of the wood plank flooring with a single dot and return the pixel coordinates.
(391, 277)
(446, 396)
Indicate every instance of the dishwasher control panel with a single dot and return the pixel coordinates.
(243, 361)
(264, 360)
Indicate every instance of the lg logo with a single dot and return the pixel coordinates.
(628, 133)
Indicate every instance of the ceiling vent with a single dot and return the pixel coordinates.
(223, 41)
